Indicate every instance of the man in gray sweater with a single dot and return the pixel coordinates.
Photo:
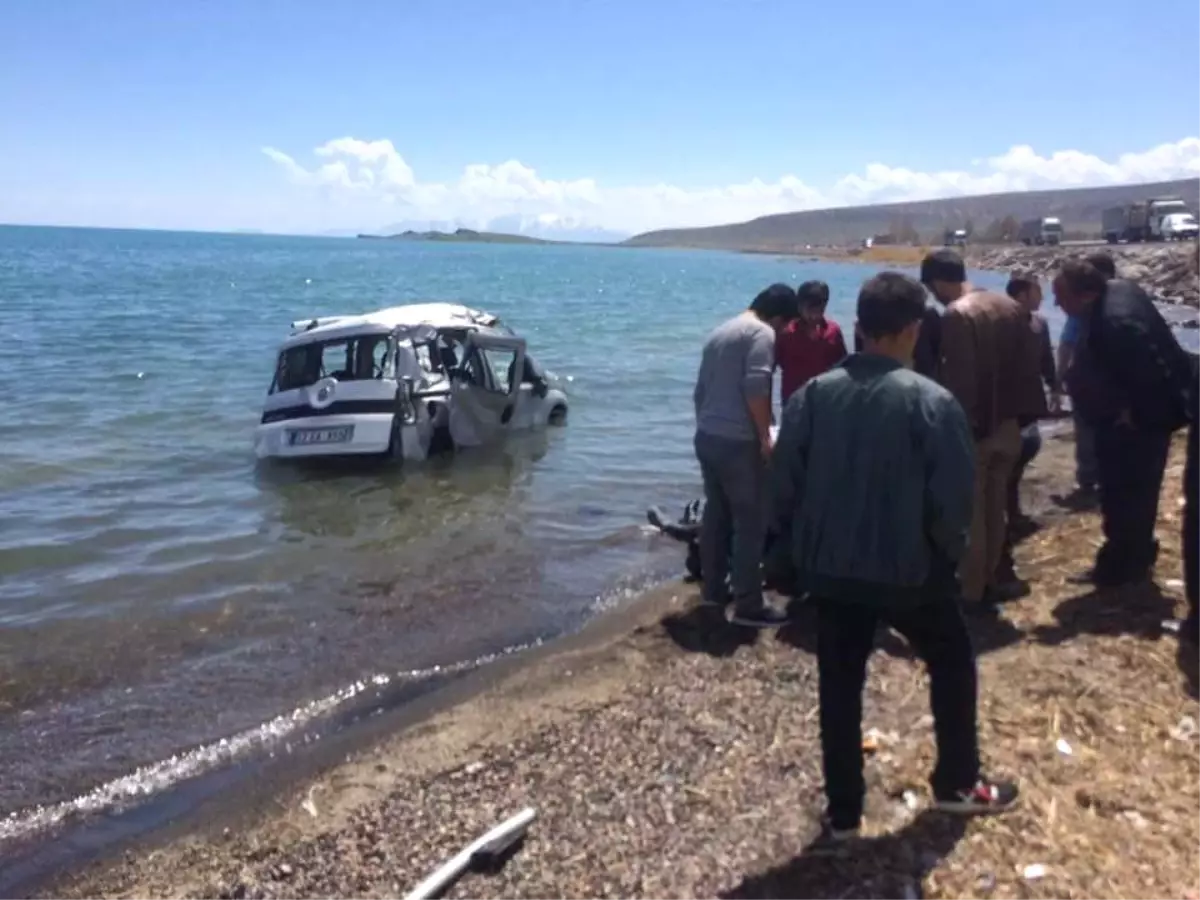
(872, 480)
(733, 445)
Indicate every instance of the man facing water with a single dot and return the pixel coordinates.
(1190, 628)
(1131, 382)
(733, 445)
(871, 518)
(1086, 468)
(984, 352)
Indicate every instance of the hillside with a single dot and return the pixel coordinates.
(1078, 208)
(460, 235)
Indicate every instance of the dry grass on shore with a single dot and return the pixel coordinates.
(682, 760)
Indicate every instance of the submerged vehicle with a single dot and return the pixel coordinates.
(404, 382)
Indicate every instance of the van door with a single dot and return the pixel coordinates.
(486, 388)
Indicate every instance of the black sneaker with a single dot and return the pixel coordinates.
(1078, 500)
(831, 841)
(987, 798)
(762, 617)
(1021, 527)
(1111, 580)
(715, 603)
(1006, 591)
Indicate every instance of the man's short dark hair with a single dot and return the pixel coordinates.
(1019, 283)
(1082, 277)
(1103, 262)
(776, 302)
(889, 303)
(943, 265)
(813, 294)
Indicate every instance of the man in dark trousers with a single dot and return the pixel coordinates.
(1086, 468)
(733, 445)
(871, 518)
(1190, 628)
(1131, 381)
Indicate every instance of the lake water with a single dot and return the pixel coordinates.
(159, 591)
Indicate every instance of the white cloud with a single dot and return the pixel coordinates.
(376, 177)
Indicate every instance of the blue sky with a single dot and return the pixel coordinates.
(629, 114)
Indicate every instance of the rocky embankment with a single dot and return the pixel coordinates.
(1169, 271)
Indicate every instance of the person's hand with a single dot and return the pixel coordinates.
(1056, 402)
(765, 446)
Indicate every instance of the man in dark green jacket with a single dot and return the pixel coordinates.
(873, 476)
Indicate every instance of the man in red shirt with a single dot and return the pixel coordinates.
(811, 344)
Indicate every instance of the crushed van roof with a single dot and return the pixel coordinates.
(435, 315)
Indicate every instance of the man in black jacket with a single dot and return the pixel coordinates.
(1191, 629)
(871, 518)
(1131, 381)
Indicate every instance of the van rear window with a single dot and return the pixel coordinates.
(348, 359)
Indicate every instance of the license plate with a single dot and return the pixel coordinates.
(305, 437)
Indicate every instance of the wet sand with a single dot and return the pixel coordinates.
(668, 755)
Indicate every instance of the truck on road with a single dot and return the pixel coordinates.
(1042, 231)
(1141, 221)
(1179, 227)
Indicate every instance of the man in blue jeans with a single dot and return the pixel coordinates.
(1087, 468)
(871, 518)
(733, 446)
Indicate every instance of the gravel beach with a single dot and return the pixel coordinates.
(668, 755)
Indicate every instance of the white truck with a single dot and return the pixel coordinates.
(1179, 227)
(1142, 221)
(1042, 231)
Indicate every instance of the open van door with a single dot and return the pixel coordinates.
(486, 388)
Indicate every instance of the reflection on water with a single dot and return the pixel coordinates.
(380, 503)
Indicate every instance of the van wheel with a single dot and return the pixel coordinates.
(558, 415)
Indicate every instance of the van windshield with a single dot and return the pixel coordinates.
(347, 359)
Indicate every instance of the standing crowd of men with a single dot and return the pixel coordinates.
(891, 492)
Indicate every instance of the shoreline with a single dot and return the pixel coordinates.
(1167, 270)
(438, 729)
(667, 757)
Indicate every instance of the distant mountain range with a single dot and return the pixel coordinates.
(923, 221)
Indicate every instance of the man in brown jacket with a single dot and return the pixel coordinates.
(988, 364)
